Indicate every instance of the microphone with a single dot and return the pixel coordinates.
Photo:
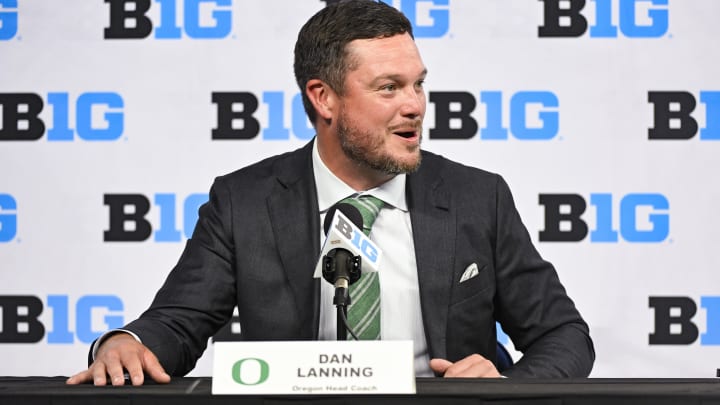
(340, 266)
(349, 210)
(345, 251)
(343, 226)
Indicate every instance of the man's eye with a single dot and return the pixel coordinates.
(389, 87)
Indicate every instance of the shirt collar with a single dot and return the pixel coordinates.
(330, 189)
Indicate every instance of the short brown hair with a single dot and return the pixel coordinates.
(320, 50)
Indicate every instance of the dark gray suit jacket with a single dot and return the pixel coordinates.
(256, 244)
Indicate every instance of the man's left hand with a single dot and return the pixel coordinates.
(474, 365)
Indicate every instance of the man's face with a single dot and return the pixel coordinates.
(381, 111)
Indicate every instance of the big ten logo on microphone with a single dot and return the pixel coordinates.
(612, 18)
(676, 322)
(173, 217)
(673, 113)
(97, 116)
(169, 19)
(8, 19)
(532, 115)
(8, 217)
(354, 235)
(92, 315)
(343, 234)
(429, 18)
(636, 218)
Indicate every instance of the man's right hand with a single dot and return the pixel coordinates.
(116, 354)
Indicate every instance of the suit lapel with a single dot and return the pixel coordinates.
(433, 225)
(294, 217)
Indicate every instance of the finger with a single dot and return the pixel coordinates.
(132, 363)
(460, 367)
(154, 369)
(480, 369)
(114, 368)
(485, 369)
(440, 365)
(79, 378)
(99, 375)
(473, 366)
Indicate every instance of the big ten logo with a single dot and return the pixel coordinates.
(429, 18)
(674, 321)
(640, 218)
(633, 18)
(98, 116)
(93, 314)
(8, 218)
(129, 223)
(672, 115)
(358, 239)
(8, 19)
(198, 19)
(236, 116)
(532, 115)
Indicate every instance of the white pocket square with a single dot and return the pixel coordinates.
(470, 272)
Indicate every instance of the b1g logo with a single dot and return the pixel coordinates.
(564, 223)
(672, 115)
(236, 116)
(533, 115)
(21, 116)
(636, 18)
(674, 321)
(21, 318)
(8, 218)
(128, 222)
(8, 19)
(429, 18)
(202, 19)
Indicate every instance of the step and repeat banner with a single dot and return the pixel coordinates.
(603, 116)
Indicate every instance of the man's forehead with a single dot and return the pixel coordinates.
(403, 38)
(377, 51)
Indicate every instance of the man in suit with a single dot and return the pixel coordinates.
(458, 257)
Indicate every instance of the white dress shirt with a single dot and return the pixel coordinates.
(400, 314)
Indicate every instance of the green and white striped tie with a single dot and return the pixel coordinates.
(364, 310)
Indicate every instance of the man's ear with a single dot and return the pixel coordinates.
(322, 97)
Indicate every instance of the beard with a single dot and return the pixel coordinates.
(366, 149)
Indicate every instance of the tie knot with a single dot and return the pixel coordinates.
(369, 208)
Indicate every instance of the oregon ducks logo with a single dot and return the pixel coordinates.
(262, 376)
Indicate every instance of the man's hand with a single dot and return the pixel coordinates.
(116, 354)
(474, 365)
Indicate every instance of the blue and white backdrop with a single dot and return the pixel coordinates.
(603, 116)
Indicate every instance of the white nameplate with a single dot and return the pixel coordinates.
(314, 367)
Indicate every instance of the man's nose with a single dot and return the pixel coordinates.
(413, 103)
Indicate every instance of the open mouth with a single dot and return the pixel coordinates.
(405, 134)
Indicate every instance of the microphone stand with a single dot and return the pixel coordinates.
(341, 301)
(341, 269)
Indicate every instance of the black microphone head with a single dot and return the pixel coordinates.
(348, 210)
